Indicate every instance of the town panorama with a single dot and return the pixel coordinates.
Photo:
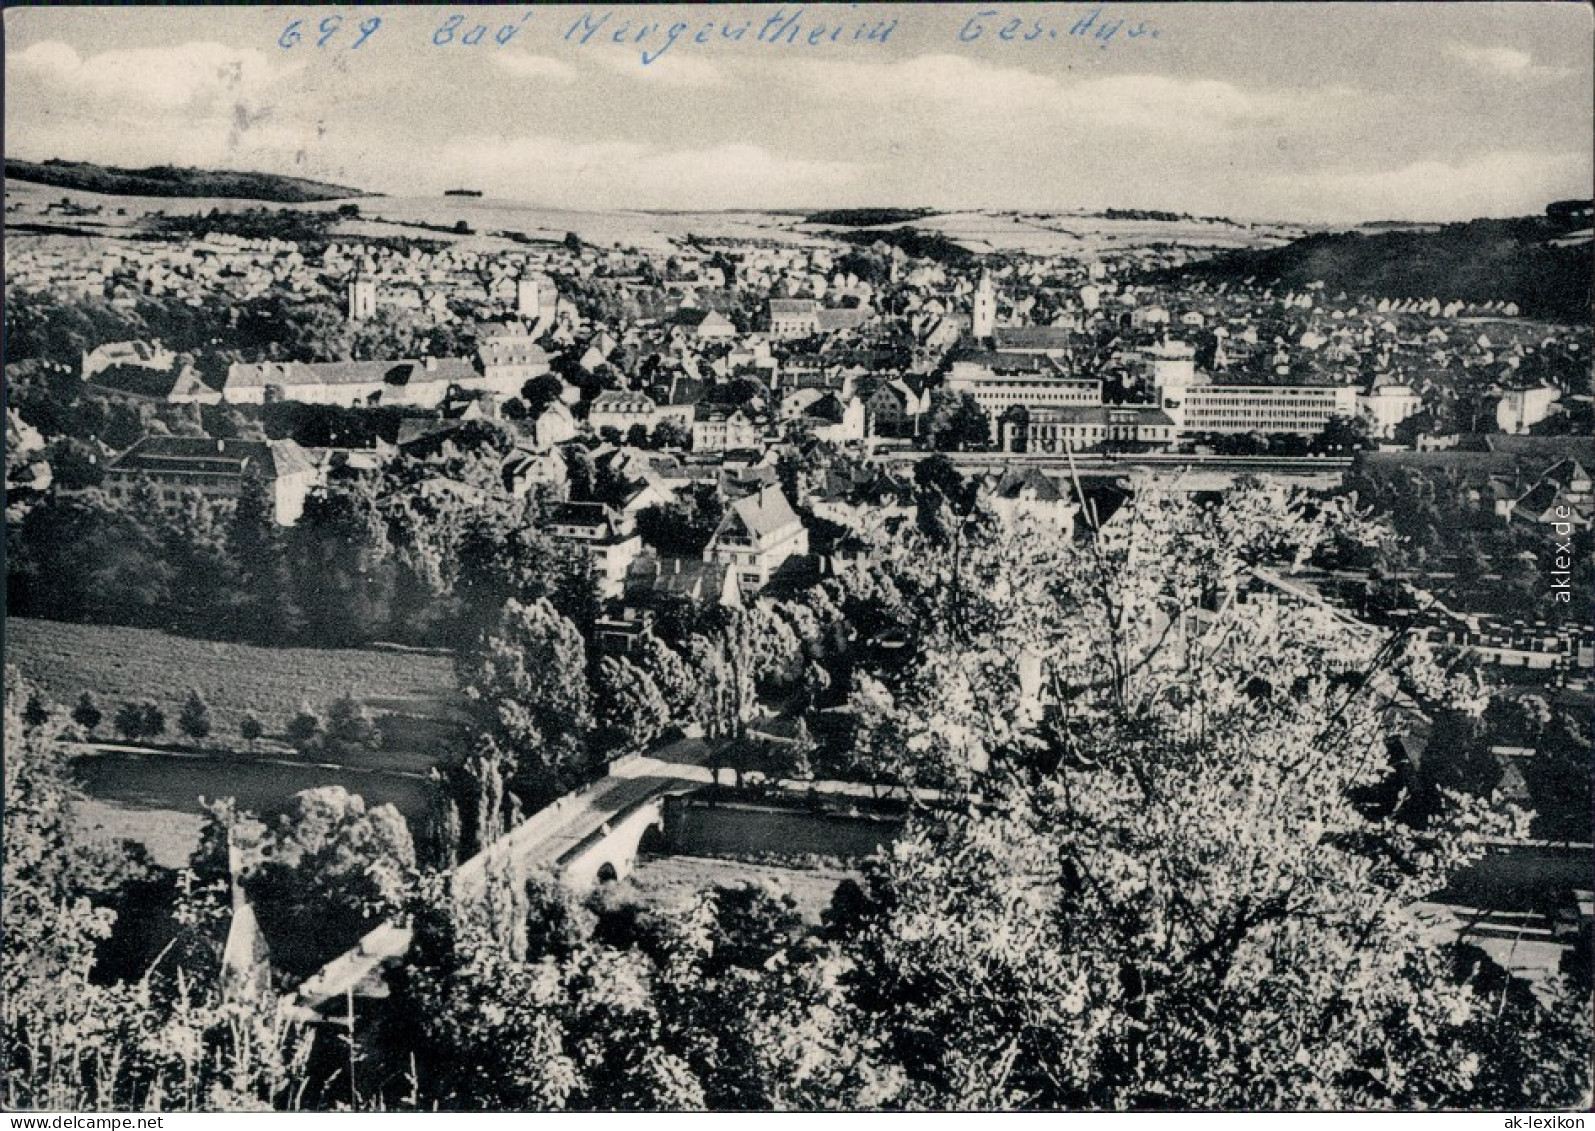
(671, 570)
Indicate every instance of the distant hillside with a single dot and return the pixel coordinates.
(311, 230)
(167, 180)
(865, 217)
(1161, 217)
(1479, 261)
(912, 241)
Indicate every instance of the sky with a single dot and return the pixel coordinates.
(1316, 113)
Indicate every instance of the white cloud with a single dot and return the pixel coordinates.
(624, 174)
(969, 92)
(672, 69)
(1494, 184)
(934, 79)
(541, 67)
(1158, 102)
(165, 78)
(212, 141)
(195, 103)
(1505, 61)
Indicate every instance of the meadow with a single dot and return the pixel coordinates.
(673, 882)
(420, 217)
(411, 694)
(155, 797)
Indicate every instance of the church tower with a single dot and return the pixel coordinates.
(362, 295)
(535, 297)
(984, 319)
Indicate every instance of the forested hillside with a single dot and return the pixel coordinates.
(1478, 261)
(169, 180)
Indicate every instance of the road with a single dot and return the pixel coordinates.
(1521, 940)
(543, 840)
(546, 837)
(1097, 464)
(231, 757)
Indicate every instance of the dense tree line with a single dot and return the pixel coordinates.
(46, 327)
(1475, 261)
(373, 557)
(1557, 773)
(1159, 884)
(322, 874)
(553, 711)
(168, 180)
(1340, 436)
(1162, 885)
(1447, 525)
(683, 528)
(116, 991)
(112, 996)
(957, 423)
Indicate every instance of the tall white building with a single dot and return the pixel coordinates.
(362, 296)
(985, 307)
(1522, 409)
(1000, 381)
(536, 297)
(1196, 406)
(1173, 365)
(1302, 409)
(1387, 406)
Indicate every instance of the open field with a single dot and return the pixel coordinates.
(1045, 233)
(169, 835)
(153, 797)
(673, 881)
(412, 694)
(402, 215)
(164, 783)
(1079, 233)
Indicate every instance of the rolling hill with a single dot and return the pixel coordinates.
(1476, 261)
(865, 217)
(168, 180)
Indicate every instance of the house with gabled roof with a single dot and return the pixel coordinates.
(654, 580)
(893, 408)
(554, 425)
(647, 491)
(717, 428)
(174, 386)
(793, 317)
(421, 383)
(1571, 477)
(705, 325)
(607, 535)
(757, 533)
(216, 470)
(835, 419)
(508, 356)
(860, 498)
(524, 470)
(141, 355)
(1028, 492)
(1560, 495)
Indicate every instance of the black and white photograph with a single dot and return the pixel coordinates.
(793, 557)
